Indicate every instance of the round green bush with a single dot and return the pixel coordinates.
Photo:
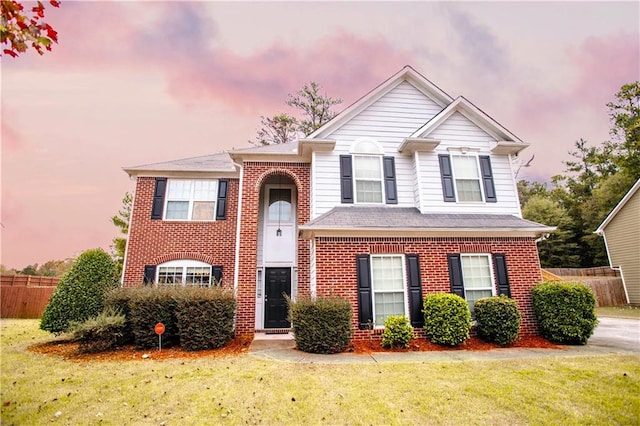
(498, 319)
(566, 312)
(447, 319)
(80, 294)
(321, 326)
(397, 332)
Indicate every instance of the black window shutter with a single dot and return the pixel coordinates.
(487, 179)
(217, 273)
(455, 274)
(390, 190)
(365, 309)
(158, 198)
(415, 291)
(221, 209)
(447, 178)
(346, 179)
(502, 277)
(149, 274)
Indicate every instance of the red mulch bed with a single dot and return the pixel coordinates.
(69, 350)
(473, 344)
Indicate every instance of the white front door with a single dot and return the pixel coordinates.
(280, 226)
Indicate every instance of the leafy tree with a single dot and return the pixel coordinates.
(80, 294)
(624, 113)
(30, 270)
(55, 268)
(314, 107)
(121, 220)
(279, 129)
(558, 250)
(18, 30)
(527, 189)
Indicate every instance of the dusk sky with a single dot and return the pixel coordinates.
(135, 83)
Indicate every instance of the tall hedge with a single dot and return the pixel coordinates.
(566, 312)
(205, 318)
(447, 319)
(80, 294)
(322, 325)
(149, 306)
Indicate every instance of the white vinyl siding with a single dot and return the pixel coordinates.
(389, 120)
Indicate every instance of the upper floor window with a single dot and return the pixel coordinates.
(191, 199)
(367, 176)
(467, 177)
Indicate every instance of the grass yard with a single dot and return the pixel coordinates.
(619, 311)
(39, 389)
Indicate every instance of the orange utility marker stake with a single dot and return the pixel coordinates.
(159, 331)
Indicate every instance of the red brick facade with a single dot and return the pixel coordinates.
(254, 176)
(154, 241)
(336, 273)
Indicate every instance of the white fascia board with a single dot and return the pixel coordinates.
(406, 73)
(508, 147)
(309, 233)
(411, 145)
(306, 147)
(185, 174)
(617, 208)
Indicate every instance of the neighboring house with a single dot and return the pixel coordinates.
(406, 192)
(621, 232)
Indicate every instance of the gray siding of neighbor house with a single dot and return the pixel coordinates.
(622, 236)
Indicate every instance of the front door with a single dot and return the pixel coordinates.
(278, 284)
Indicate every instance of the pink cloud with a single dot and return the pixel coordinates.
(603, 65)
(12, 139)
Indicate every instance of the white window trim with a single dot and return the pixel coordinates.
(455, 179)
(491, 273)
(184, 264)
(405, 296)
(380, 179)
(191, 201)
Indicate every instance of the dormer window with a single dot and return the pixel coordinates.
(367, 176)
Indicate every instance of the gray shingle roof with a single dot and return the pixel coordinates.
(207, 163)
(366, 218)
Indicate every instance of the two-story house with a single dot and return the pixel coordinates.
(406, 192)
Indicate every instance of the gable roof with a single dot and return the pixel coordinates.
(474, 114)
(213, 164)
(405, 74)
(618, 207)
(360, 220)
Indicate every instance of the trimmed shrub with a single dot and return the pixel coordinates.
(205, 318)
(80, 294)
(498, 319)
(149, 306)
(321, 326)
(101, 333)
(398, 332)
(118, 300)
(447, 319)
(565, 312)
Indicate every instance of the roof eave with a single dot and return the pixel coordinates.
(307, 233)
(212, 174)
(617, 208)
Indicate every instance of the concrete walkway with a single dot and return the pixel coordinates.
(612, 336)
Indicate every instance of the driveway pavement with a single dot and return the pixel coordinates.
(612, 336)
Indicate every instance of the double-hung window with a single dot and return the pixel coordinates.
(477, 277)
(191, 199)
(368, 178)
(389, 287)
(467, 177)
(184, 272)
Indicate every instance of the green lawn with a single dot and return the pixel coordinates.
(619, 311)
(245, 390)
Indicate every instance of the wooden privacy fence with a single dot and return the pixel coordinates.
(25, 296)
(605, 282)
